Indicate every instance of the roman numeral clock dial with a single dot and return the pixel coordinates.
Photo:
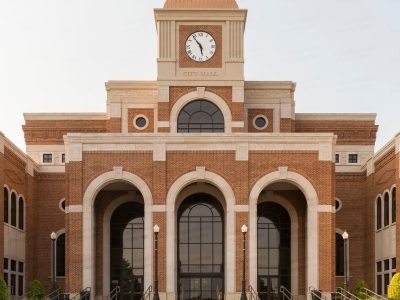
(200, 46)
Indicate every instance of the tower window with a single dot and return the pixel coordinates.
(201, 116)
(47, 158)
(353, 158)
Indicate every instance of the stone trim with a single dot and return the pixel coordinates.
(201, 175)
(64, 116)
(73, 209)
(336, 116)
(326, 208)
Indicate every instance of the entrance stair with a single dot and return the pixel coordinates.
(371, 294)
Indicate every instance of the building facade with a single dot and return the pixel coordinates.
(199, 152)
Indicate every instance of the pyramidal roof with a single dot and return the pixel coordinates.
(196, 4)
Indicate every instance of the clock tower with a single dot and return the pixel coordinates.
(200, 42)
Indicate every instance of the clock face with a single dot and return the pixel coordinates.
(200, 46)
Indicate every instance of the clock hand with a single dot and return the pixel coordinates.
(201, 47)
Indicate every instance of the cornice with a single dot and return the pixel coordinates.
(270, 85)
(64, 116)
(336, 116)
(210, 14)
(128, 84)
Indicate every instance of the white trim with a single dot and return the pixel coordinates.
(263, 117)
(340, 205)
(64, 116)
(162, 124)
(73, 209)
(201, 175)
(326, 208)
(312, 246)
(276, 111)
(215, 99)
(241, 208)
(88, 236)
(336, 116)
(159, 208)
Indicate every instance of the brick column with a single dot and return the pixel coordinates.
(326, 251)
(241, 218)
(159, 218)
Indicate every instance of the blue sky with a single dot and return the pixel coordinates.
(56, 55)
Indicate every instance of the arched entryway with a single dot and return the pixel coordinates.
(200, 245)
(127, 250)
(273, 250)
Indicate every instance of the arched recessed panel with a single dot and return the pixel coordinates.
(200, 116)
(127, 250)
(60, 255)
(378, 213)
(21, 210)
(13, 209)
(339, 255)
(200, 248)
(273, 250)
(386, 210)
(394, 205)
(6, 201)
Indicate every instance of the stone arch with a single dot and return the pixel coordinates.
(201, 175)
(89, 272)
(312, 243)
(214, 98)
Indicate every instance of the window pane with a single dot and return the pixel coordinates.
(379, 213)
(386, 210)
(20, 285)
(394, 205)
(21, 213)
(13, 284)
(394, 263)
(379, 266)
(379, 284)
(5, 205)
(5, 263)
(386, 264)
(13, 265)
(21, 267)
(385, 283)
(13, 209)
(60, 255)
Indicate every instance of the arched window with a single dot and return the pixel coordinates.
(60, 255)
(13, 209)
(21, 213)
(378, 213)
(340, 255)
(5, 205)
(394, 205)
(200, 116)
(386, 210)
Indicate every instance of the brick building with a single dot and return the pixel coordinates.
(199, 152)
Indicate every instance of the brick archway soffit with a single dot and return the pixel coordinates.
(214, 98)
(284, 176)
(201, 175)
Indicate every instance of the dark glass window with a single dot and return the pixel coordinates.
(379, 213)
(63, 205)
(13, 265)
(47, 158)
(200, 116)
(127, 250)
(6, 205)
(386, 264)
(6, 277)
(394, 205)
(63, 158)
(5, 263)
(13, 284)
(385, 283)
(337, 158)
(260, 122)
(379, 284)
(386, 210)
(339, 255)
(273, 248)
(394, 263)
(60, 255)
(21, 267)
(379, 266)
(140, 122)
(21, 213)
(20, 285)
(200, 248)
(13, 209)
(353, 158)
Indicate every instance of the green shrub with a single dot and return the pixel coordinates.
(3, 289)
(394, 287)
(35, 290)
(358, 291)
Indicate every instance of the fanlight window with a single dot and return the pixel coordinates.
(201, 116)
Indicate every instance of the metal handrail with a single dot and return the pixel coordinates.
(285, 293)
(114, 293)
(312, 290)
(253, 293)
(346, 294)
(82, 294)
(368, 293)
(147, 292)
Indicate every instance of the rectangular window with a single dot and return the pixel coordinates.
(21, 267)
(337, 158)
(385, 283)
(394, 263)
(6, 277)
(13, 284)
(47, 158)
(353, 158)
(5, 263)
(379, 266)
(20, 285)
(63, 158)
(379, 284)
(13, 265)
(386, 264)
